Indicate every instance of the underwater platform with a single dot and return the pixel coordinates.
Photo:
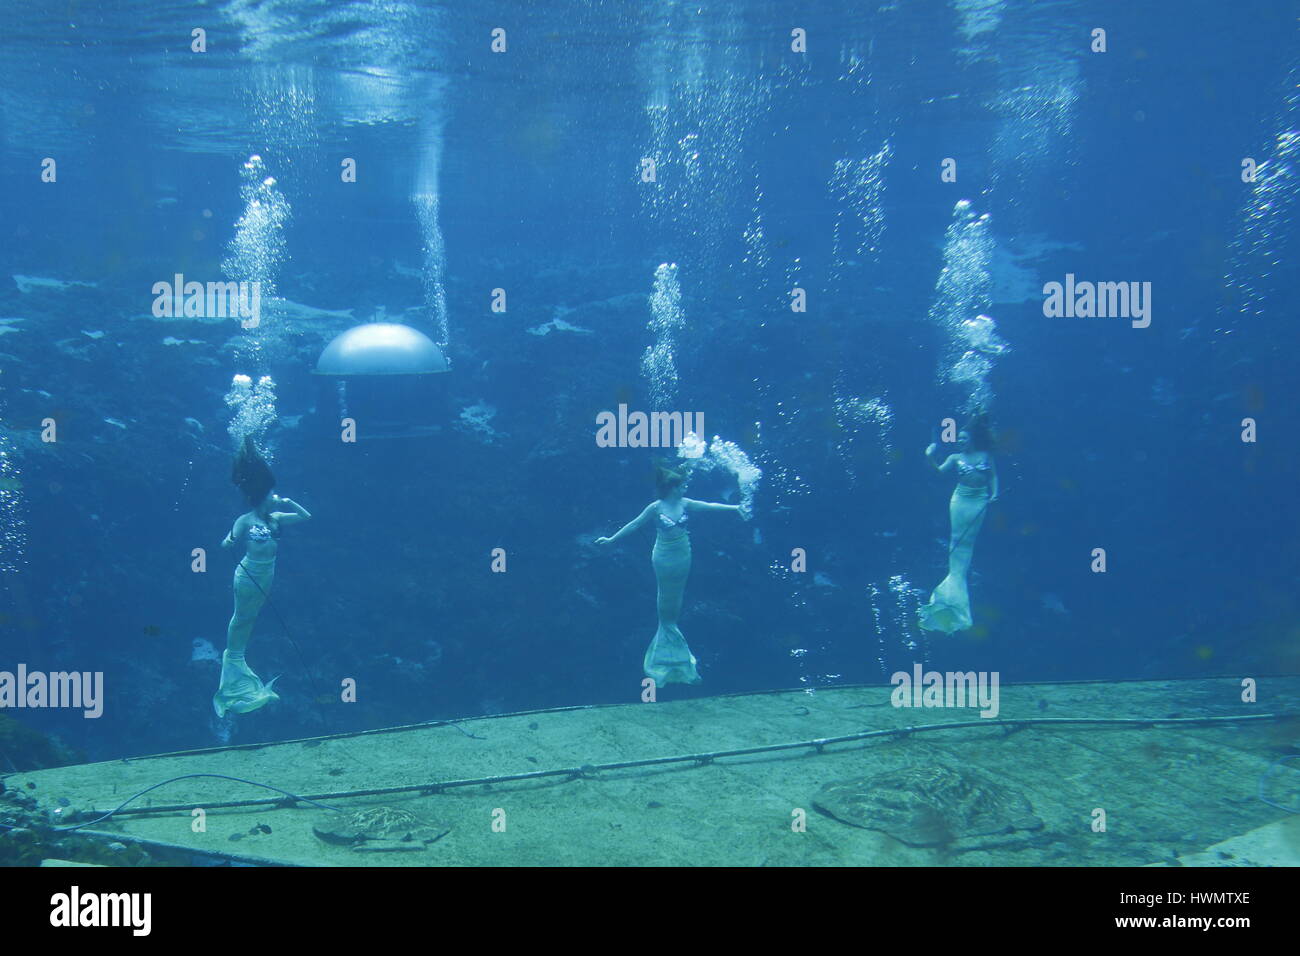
(1180, 772)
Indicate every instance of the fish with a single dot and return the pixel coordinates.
(289, 309)
(285, 310)
(28, 283)
(11, 484)
(1050, 602)
(557, 325)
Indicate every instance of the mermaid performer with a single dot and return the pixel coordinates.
(242, 691)
(668, 660)
(977, 488)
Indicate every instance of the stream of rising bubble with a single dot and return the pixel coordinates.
(257, 251)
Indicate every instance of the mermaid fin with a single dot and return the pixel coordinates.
(669, 660)
(949, 607)
(241, 690)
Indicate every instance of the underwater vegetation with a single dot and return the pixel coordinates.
(22, 748)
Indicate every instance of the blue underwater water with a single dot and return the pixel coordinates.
(788, 221)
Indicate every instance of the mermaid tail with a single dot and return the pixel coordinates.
(949, 607)
(252, 584)
(668, 660)
(241, 690)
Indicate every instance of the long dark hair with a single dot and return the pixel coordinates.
(981, 432)
(251, 474)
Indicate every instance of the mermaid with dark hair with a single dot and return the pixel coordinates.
(668, 659)
(977, 488)
(241, 690)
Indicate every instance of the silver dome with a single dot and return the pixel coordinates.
(381, 348)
